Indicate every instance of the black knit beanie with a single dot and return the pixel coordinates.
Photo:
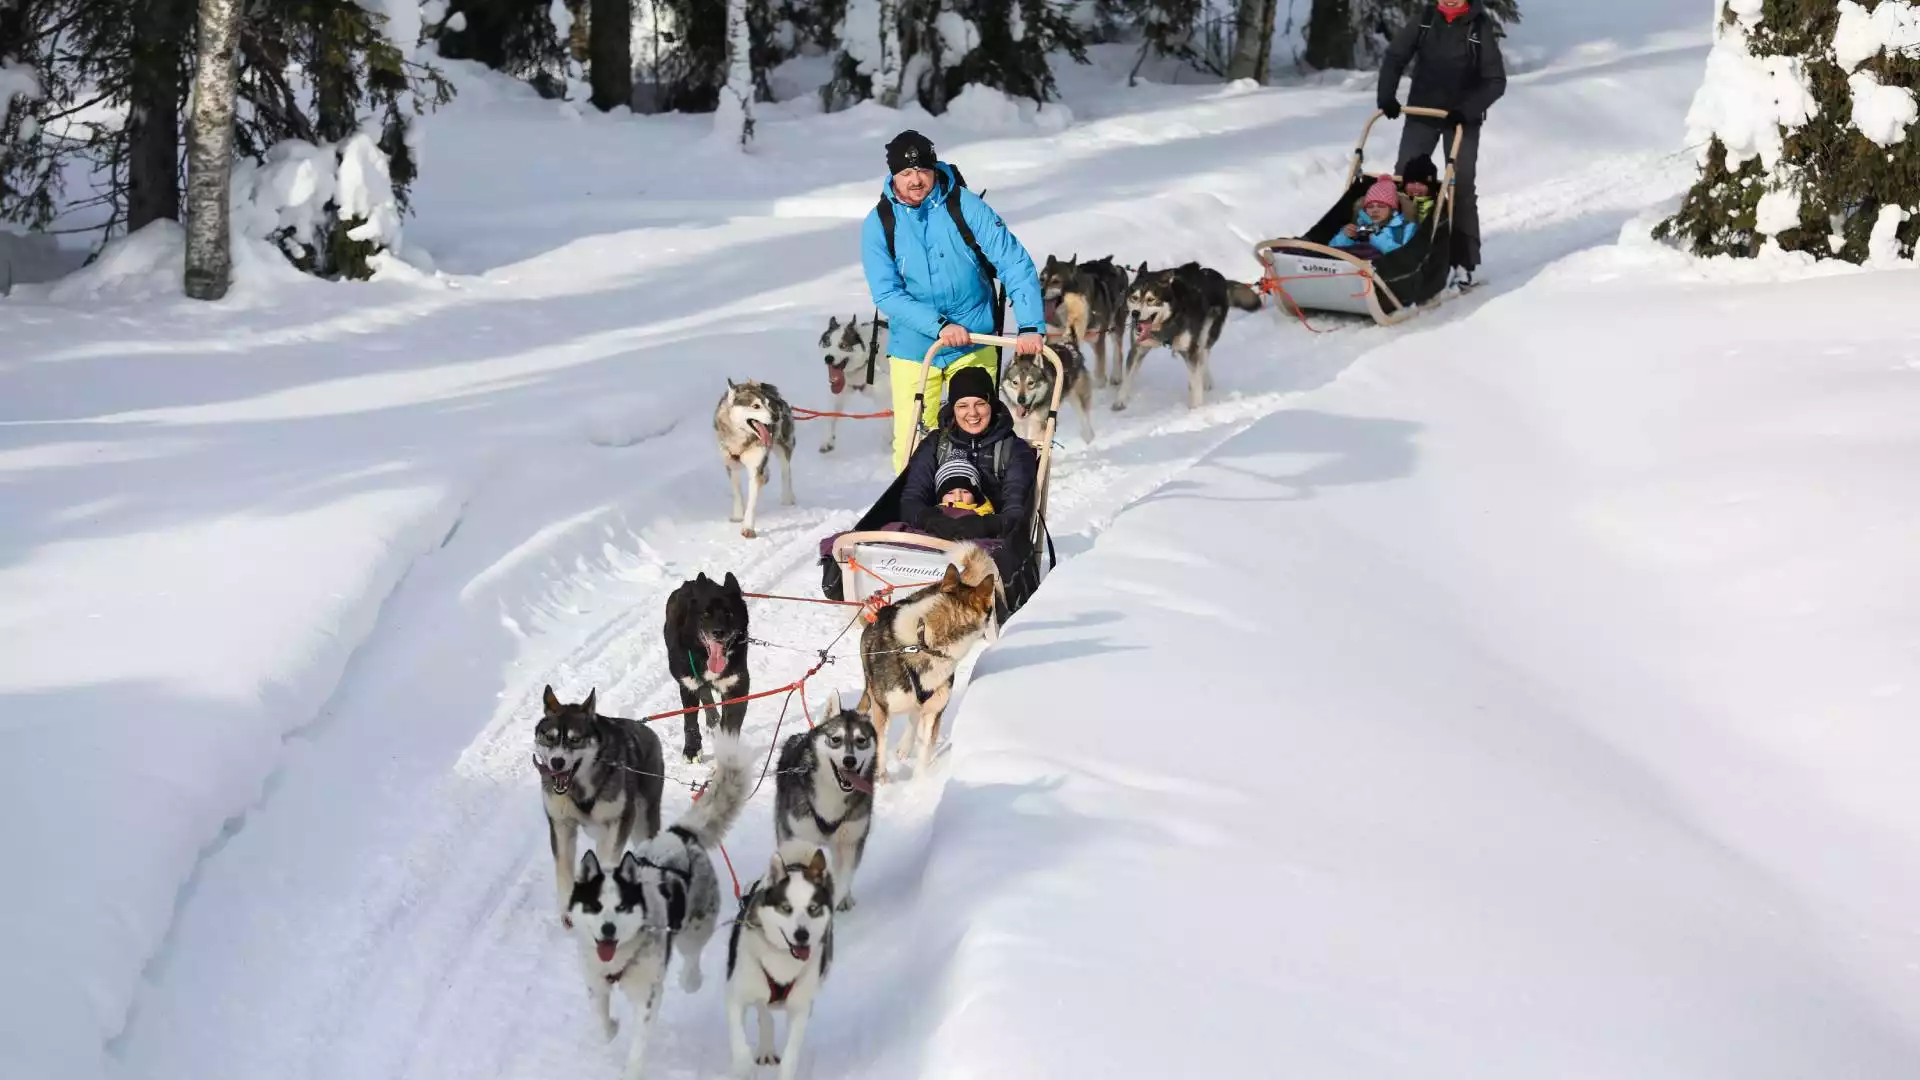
(970, 382)
(909, 150)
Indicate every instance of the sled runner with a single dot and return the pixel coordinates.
(881, 550)
(1306, 273)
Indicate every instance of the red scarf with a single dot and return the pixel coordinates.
(1452, 13)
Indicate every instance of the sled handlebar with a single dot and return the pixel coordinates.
(1452, 150)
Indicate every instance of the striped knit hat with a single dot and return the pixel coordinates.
(956, 472)
(1382, 192)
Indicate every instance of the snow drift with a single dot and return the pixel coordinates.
(1534, 701)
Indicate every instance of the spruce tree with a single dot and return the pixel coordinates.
(1806, 127)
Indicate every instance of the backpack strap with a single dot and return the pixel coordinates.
(1000, 461)
(886, 225)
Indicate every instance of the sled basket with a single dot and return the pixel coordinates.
(1306, 273)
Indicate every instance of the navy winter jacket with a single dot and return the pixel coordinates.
(934, 276)
(1446, 73)
(1011, 494)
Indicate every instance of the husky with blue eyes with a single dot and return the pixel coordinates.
(778, 956)
(824, 794)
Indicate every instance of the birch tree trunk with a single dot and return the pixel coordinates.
(210, 153)
(734, 116)
(892, 71)
(1253, 36)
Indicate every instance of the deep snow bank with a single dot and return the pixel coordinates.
(1534, 701)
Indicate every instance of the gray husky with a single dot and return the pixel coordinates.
(777, 958)
(659, 899)
(856, 354)
(1027, 386)
(1183, 308)
(1089, 299)
(601, 773)
(824, 794)
(753, 422)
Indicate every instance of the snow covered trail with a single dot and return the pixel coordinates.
(381, 905)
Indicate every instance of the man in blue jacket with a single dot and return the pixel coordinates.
(932, 274)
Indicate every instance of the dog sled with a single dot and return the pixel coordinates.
(882, 552)
(1306, 273)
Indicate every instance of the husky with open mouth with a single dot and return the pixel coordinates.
(659, 900)
(706, 639)
(1027, 387)
(824, 793)
(600, 773)
(856, 355)
(752, 423)
(1183, 308)
(778, 957)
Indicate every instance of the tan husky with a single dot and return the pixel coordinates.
(912, 647)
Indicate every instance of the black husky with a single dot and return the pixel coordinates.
(706, 633)
(1184, 309)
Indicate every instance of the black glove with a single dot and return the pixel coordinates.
(1391, 106)
(1456, 118)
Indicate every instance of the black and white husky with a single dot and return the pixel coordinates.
(824, 794)
(752, 423)
(1027, 386)
(777, 958)
(1183, 308)
(856, 353)
(600, 773)
(661, 899)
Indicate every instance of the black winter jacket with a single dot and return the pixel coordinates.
(1011, 494)
(1445, 75)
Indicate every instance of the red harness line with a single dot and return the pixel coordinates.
(1271, 284)
(869, 607)
(815, 414)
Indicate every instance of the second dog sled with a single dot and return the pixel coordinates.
(881, 552)
(1306, 273)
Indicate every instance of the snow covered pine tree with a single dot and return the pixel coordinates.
(1804, 120)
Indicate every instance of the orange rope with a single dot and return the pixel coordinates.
(815, 414)
(1270, 284)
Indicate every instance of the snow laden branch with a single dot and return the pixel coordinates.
(1803, 123)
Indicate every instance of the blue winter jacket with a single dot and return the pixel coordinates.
(934, 279)
(1390, 236)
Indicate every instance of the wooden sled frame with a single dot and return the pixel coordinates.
(1370, 286)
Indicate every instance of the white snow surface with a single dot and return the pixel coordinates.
(1515, 692)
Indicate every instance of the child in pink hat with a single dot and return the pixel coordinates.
(1380, 227)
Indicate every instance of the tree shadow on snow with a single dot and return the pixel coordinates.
(1360, 451)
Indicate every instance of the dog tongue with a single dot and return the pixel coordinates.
(605, 949)
(760, 429)
(716, 658)
(801, 952)
(860, 783)
(836, 380)
(1049, 309)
